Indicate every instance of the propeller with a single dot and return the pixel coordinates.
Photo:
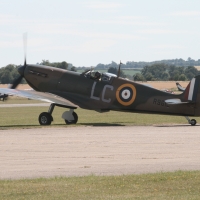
(21, 69)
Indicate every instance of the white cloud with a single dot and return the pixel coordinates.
(131, 20)
(19, 43)
(94, 46)
(5, 19)
(167, 46)
(90, 46)
(186, 13)
(66, 29)
(165, 31)
(102, 5)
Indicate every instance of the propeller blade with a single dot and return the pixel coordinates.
(25, 47)
(21, 69)
(16, 82)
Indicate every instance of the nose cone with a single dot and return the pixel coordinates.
(21, 70)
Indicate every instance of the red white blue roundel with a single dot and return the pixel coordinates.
(126, 94)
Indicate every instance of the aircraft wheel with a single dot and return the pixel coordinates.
(193, 122)
(72, 121)
(45, 118)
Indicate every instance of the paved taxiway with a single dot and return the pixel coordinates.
(78, 151)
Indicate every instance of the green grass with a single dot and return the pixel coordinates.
(28, 117)
(176, 185)
(180, 185)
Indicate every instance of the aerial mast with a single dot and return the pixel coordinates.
(119, 69)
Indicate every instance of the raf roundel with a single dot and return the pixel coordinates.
(126, 94)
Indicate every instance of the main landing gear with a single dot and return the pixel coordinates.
(45, 118)
(192, 121)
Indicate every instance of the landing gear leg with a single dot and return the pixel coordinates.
(46, 118)
(192, 121)
(70, 117)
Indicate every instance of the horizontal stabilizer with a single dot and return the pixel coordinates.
(174, 101)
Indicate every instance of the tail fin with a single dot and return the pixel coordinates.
(192, 92)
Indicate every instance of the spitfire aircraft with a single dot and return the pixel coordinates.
(101, 92)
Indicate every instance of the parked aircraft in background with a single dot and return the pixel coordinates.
(180, 88)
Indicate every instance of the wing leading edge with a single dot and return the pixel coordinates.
(32, 94)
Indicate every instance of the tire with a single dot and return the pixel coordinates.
(72, 121)
(45, 119)
(193, 122)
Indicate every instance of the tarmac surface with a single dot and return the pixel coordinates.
(107, 150)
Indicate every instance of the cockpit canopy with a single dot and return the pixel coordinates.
(96, 75)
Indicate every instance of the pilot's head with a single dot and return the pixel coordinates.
(97, 75)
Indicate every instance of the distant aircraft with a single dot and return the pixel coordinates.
(180, 88)
(101, 92)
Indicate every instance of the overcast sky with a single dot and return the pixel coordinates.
(86, 33)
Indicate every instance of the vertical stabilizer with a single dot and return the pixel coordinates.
(192, 90)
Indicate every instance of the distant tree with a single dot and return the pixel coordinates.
(113, 64)
(114, 70)
(6, 77)
(190, 72)
(165, 76)
(63, 65)
(155, 72)
(45, 62)
(182, 77)
(138, 77)
(100, 66)
(73, 69)
(148, 76)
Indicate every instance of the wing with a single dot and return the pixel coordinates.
(42, 96)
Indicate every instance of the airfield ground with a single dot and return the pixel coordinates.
(100, 144)
(96, 150)
(79, 151)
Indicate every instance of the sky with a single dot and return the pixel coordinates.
(86, 33)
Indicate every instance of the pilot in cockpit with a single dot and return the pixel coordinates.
(97, 76)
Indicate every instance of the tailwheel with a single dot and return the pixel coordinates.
(73, 121)
(45, 118)
(193, 122)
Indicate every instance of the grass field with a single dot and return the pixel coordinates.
(180, 185)
(174, 185)
(28, 117)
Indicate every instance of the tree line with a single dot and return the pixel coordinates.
(9, 73)
(163, 72)
(154, 72)
(131, 64)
